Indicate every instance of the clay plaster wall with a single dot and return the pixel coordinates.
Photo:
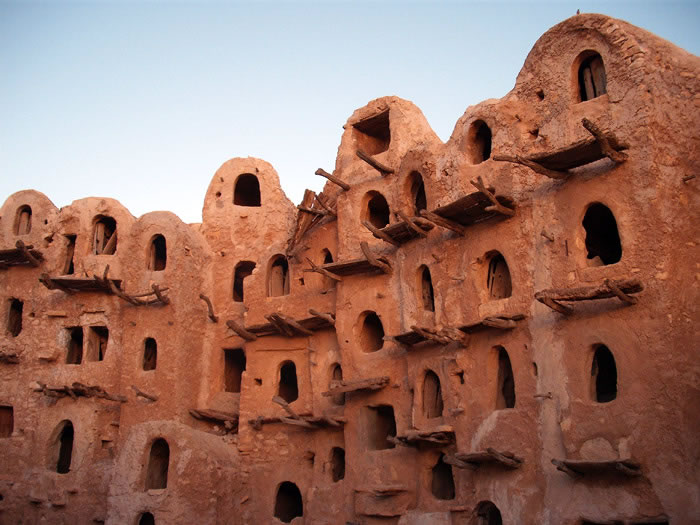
(230, 473)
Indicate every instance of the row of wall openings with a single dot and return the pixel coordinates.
(23, 220)
(158, 463)
(288, 502)
(61, 446)
(7, 421)
(14, 317)
(234, 366)
(150, 354)
(278, 277)
(592, 81)
(246, 191)
(104, 241)
(243, 269)
(380, 425)
(97, 340)
(373, 135)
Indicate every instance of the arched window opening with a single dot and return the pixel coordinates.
(381, 425)
(150, 354)
(337, 463)
(157, 254)
(64, 443)
(377, 212)
(288, 503)
(420, 201)
(69, 263)
(288, 387)
(498, 278)
(7, 421)
(488, 514)
(158, 462)
(371, 333)
(247, 191)
(336, 378)
(442, 483)
(603, 375)
(74, 356)
(432, 395)
(373, 135)
(592, 81)
(602, 238)
(327, 282)
(98, 338)
(23, 220)
(506, 381)
(278, 277)
(234, 366)
(327, 256)
(147, 519)
(426, 288)
(243, 270)
(105, 236)
(14, 317)
(479, 142)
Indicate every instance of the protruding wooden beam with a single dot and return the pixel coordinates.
(327, 317)
(619, 293)
(373, 383)
(141, 393)
(430, 335)
(445, 223)
(156, 290)
(210, 308)
(409, 222)
(381, 168)
(379, 234)
(333, 179)
(534, 166)
(311, 211)
(281, 402)
(372, 259)
(241, 331)
(322, 271)
(497, 206)
(27, 254)
(293, 323)
(605, 146)
(326, 207)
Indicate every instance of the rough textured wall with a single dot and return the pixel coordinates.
(498, 329)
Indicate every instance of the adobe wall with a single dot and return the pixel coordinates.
(474, 447)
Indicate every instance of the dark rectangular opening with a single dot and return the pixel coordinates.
(381, 425)
(150, 354)
(14, 317)
(98, 337)
(373, 135)
(74, 356)
(69, 264)
(7, 421)
(234, 365)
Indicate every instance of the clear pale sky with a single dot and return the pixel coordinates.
(143, 101)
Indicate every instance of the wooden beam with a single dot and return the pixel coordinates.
(162, 298)
(534, 166)
(326, 207)
(327, 317)
(605, 146)
(381, 168)
(241, 331)
(210, 308)
(409, 222)
(372, 259)
(373, 383)
(445, 223)
(497, 206)
(379, 234)
(320, 213)
(333, 179)
(27, 254)
(143, 394)
(293, 323)
(628, 299)
(322, 271)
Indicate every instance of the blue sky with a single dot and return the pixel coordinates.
(143, 101)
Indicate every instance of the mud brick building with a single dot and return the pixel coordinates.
(502, 328)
